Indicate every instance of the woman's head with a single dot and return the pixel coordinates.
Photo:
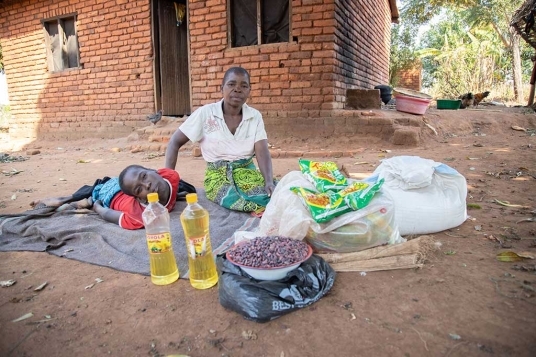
(236, 86)
(138, 181)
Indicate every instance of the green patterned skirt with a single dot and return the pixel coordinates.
(236, 185)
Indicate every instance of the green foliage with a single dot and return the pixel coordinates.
(403, 51)
(469, 48)
(458, 59)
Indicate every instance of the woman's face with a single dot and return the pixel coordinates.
(141, 182)
(236, 89)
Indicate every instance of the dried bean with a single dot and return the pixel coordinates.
(269, 252)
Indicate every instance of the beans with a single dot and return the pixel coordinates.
(269, 252)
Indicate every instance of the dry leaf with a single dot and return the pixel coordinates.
(41, 287)
(526, 255)
(23, 317)
(454, 336)
(518, 128)
(510, 256)
(492, 237)
(5, 283)
(507, 204)
(249, 335)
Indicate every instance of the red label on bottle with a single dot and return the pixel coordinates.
(197, 247)
(159, 243)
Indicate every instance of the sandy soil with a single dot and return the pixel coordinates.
(463, 302)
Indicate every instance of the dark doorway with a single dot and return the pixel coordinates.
(172, 85)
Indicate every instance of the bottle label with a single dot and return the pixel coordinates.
(159, 243)
(197, 247)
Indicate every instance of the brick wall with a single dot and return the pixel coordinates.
(310, 74)
(114, 90)
(285, 76)
(362, 42)
(107, 97)
(410, 78)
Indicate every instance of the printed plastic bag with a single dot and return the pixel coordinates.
(328, 205)
(262, 301)
(325, 175)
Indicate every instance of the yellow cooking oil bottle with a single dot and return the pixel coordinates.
(162, 259)
(195, 224)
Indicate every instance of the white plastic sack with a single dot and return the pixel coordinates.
(429, 196)
(287, 216)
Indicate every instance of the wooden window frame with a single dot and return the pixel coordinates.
(57, 21)
(259, 25)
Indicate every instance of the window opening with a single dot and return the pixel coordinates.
(255, 22)
(62, 43)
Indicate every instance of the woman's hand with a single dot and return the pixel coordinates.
(265, 165)
(269, 188)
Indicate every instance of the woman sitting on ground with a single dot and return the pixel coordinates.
(230, 133)
(121, 200)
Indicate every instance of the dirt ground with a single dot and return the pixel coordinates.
(463, 302)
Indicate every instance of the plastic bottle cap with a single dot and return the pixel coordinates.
(191, 198)
(152, 197)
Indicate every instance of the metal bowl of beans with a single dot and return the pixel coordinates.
(269, 258)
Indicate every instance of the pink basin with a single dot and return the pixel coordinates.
(412, 105)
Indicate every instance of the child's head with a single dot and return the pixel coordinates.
(138, 181)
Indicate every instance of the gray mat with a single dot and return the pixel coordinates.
(82, 235)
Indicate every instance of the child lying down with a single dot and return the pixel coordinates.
(121, 200)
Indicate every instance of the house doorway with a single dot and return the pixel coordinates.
(170, 41)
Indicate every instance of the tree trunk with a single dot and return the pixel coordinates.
(516, 65)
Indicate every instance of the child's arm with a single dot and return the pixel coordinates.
(107, 214)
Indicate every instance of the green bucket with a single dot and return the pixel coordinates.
(449, 103)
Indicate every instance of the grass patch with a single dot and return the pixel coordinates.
(473, 206)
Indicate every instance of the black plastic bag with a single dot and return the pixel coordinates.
(262, 301)
(184, 189)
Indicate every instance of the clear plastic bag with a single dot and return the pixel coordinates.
(286, 216)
